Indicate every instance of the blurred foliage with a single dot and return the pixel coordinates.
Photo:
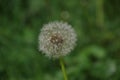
(96, 56)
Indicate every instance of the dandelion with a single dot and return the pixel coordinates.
(57, 39)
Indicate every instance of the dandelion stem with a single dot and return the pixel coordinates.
(63, 69)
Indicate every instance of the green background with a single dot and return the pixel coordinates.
(96, 56)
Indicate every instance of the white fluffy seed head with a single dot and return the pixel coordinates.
(57, 39)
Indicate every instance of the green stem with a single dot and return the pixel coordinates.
(63, 69)
(99, 12)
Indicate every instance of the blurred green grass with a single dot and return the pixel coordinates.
(96, 56)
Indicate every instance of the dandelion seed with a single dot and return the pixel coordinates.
(57, 39)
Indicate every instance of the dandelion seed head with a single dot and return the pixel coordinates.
(57, 39)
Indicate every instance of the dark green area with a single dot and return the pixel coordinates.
(96, 56)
